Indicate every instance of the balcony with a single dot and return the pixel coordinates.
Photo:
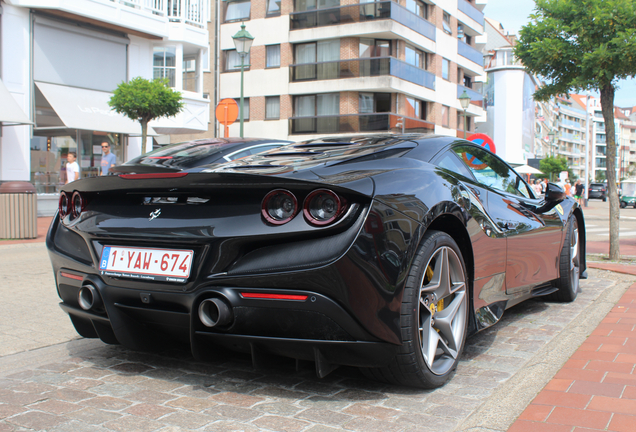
(352, 123)
(146, 18)
(366, 67)
(358, 13)
(466, 51)
(471, 11)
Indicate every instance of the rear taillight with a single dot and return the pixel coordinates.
(64, 205)
(322, 207)
(77, 205)
(279, 207)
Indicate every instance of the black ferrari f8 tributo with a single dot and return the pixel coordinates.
(382, 252)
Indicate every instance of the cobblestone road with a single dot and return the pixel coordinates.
(84, 385)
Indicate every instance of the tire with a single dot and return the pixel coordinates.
(434, 316)
(569, 265)
(623, 204)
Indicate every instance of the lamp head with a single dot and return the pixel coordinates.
(464, 100)
(243, 41)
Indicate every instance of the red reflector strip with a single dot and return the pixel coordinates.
(159, 157)
(72, 276)
(273, 296)
(152, 175)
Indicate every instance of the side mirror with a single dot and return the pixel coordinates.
(554, 192)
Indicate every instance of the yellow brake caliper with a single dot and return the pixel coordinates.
(440, 304)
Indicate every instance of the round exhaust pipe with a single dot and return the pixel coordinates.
(88, 297)
(214, 312)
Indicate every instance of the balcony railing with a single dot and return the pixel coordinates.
(192, 12)
(360, 13)
(465, 50)
(364, 67)
(471, 11)
(476, 98)
(350, 123)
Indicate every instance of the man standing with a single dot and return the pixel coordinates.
(72, 168)
(108, 159)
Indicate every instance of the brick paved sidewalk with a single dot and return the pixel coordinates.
(596, 389)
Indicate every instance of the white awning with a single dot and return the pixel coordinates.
(87, 110)
(10, 111)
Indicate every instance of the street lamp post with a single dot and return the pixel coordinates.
(551, 134)
(464, 100)
(243, 42)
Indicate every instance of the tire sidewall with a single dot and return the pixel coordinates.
(432, 241)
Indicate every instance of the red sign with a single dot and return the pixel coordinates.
(483, 140)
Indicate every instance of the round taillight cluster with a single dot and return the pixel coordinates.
(321, 207)
(71, 205)
(77, 205)
(64, 205)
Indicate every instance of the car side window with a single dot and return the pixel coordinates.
(450, 162)
(491, 171)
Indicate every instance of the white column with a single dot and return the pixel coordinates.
(15, 154)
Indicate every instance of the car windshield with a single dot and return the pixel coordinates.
(629, 189)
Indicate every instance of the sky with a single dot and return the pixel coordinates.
(513, 14)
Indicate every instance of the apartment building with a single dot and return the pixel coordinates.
(62, 59)
(570, 137)
(321, 67)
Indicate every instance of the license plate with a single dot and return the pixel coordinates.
(167, 265)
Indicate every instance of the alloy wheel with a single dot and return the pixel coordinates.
(442, 310)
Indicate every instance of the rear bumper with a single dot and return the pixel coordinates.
(316, 327)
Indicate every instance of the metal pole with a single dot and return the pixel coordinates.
(587, 149)
(241, 107)
(464, 124)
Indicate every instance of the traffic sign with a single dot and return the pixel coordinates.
(483, 140)
(226, 113)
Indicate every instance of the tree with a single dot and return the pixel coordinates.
(143, 100)
(578, 45)
(552, 166)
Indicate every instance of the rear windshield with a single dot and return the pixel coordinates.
(629, 189)
(181, 152)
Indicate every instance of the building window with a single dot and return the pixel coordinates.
(272, 107)
(164, 63)
(273, 56)
(418, 8)
(413, 56)
(273, 7)
(307, 5)
(468, 81)
(317, 52)
(446, 69)
(446, 23)
(445, 116)
(233, 61)
(415, 108)
(246, 108)
(237, 10)
(374, 48)
(190, 75)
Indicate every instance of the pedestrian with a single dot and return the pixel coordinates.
(544, 186)
(72, 168)
(578, 192)
(568, 188)
(108, 159)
